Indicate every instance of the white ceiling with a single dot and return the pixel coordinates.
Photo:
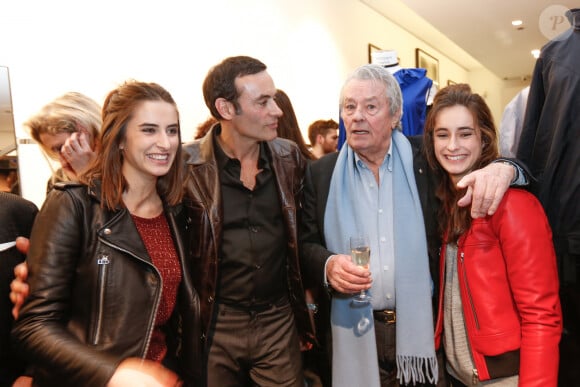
(483, 29)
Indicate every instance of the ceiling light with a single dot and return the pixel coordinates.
(536, 53)
(516, 23)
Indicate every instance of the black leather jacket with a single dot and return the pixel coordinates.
(94, 293)
(203, 201)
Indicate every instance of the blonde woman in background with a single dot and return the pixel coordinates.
(67, 129)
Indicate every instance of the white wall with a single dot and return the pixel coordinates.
(309, 46)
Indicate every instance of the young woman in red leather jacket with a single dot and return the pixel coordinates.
(499, 311)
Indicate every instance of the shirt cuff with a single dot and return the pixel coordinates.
(519, 179)
(326, 284)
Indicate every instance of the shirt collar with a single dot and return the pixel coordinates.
(387, 161)
(223, 159)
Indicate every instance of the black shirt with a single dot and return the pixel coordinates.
(252, 254)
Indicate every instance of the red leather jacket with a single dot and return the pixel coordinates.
(509, 290)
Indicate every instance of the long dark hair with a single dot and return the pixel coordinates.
(117, 112)
(288, 124)
(455, 220)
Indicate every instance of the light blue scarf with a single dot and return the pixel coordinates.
(354, 361)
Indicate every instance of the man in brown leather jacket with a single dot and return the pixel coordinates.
(242, 193)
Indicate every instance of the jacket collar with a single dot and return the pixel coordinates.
(202, 151)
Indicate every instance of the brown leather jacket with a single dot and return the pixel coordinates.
(203, 204)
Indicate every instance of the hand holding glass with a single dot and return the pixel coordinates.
(360, 252)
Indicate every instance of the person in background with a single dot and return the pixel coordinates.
(242, 190)
(16, 219)
(323, 136)
(512, 121)
(9, 176)
(315, 358)
(288, 124)
(500, 318)
(111, 301)
(204, 127)
(378, 185)
(67, 129)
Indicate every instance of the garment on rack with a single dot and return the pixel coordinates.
(415, 86)
(549, 145)
(512, 121)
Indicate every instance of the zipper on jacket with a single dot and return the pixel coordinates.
(103, 263)
(475, 377)
(469, 290)
(157, 298)
(153, 315)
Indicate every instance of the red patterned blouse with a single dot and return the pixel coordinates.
(157, 238)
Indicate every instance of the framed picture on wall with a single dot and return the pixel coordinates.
(429, 63)
(372, 48)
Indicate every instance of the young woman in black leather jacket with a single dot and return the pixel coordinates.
(111, 301)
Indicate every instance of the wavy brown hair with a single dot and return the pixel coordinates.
(455, 220)
(117, 111)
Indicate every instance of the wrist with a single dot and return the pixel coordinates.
(514, 169)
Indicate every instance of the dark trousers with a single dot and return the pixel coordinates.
(386, 351)
(250, 348)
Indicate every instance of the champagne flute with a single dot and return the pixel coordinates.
(360, 252)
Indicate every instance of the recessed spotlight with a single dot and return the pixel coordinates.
(517, 23)
(536, 53)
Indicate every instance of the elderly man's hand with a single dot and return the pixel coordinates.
(345, 277)
(485, 188)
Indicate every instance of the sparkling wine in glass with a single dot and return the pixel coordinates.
(360, 252)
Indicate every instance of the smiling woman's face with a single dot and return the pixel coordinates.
(457, 141)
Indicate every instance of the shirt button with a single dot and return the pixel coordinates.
(210, 299)
(380, 210)
(383, 239)
(389, 296)
(253, 229)
(386, 267)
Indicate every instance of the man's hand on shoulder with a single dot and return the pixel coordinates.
(486, 188)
